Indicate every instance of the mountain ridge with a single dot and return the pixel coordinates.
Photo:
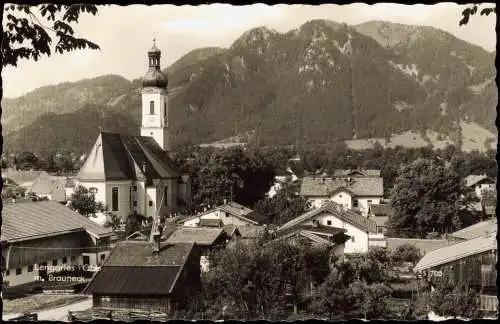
(293, 87)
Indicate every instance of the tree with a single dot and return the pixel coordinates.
(114, 221)
(26, 160)
(470, 11)
(137, 222)
(84, 202)
(331, 299)
(224, 174)
(370, 301)
(253, 281)
(452, 299)
(283, 206)
(27, 28)
(428, 196)
(406, 253)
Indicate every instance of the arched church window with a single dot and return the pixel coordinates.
(151, 107)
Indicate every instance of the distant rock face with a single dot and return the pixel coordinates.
(320, 83)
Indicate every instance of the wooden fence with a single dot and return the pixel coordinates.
(115, 315)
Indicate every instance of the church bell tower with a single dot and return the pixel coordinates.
(155, 101)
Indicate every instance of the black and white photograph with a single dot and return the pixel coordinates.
(276, 162)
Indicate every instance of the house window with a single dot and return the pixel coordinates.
(7, 272)
(150, 203)
(355, 203)
(73, 258)
(103, 256)
(135, 203)
(328, 222)
(165, 112)
(135, 188)
(151, 107)
(30, 268)
(340, 195)
(54, 262)
(130, 198)
(380, 230)
(165, 193)
(369, 200)
(65, 260)
(19, 271)
(352, 239)
(114, 199)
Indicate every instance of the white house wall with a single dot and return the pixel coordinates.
(357, 245)
(363, 203)
(342, 198)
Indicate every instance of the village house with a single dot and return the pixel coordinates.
(472, 260)
(135, 173)
(136, 277)
(46, 233)
(351, 189)
(229, 213)
(316, 235)
(206, 238)
(380, 214)
(50, 187)
(357, 227)
(21, 178)
(480, 183)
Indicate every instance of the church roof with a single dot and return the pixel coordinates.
(119, 157)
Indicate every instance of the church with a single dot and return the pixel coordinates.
(135, 173)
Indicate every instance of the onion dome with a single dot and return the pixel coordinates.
(154, 77)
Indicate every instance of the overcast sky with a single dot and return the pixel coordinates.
(125, 34)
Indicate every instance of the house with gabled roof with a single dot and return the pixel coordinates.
(380, 214)
(21, 178)
(136, 278)
(135, 173)
(229, 213)
(39, 238)
(50, 187)
(352, 192)
(480, 183)
(206, 238)
(316, 235)
(471, 261)
(356, 226)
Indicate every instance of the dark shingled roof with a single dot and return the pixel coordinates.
(118, 157)
(337, 211)
(323, 187)
(124, 280)
(381, 210)
(133, 269)
(198, 235)
(140, 253)
(32, 220)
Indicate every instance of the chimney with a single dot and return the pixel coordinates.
(225, 201)
(157, 238)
